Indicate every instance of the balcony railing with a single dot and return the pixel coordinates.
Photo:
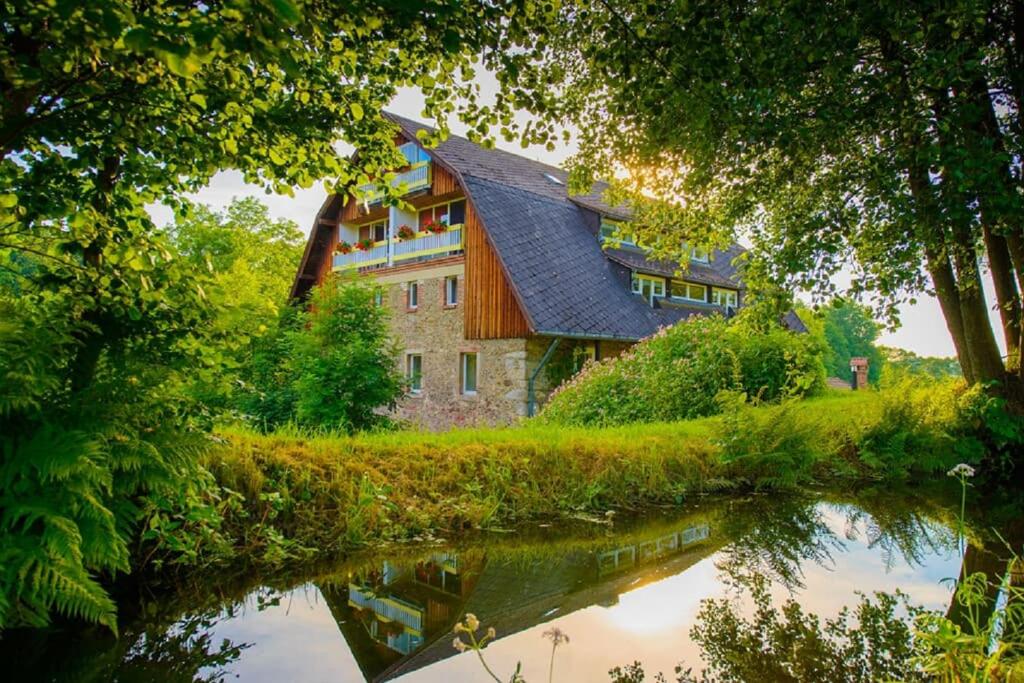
(429, 244)
(415, 178)
(388, 607)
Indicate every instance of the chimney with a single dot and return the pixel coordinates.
(859, 368)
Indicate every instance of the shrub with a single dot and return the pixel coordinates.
(343, 360)
(776, 363)
(677, 374)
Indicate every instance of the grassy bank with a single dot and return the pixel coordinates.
(330, 494)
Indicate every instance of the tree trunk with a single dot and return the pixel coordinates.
(986, 361)
(949, 300)
(1007, 294)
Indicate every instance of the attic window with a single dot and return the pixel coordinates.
(553, 179)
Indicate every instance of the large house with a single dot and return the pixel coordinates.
(496, 273)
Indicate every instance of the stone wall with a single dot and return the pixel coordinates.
(435, 331)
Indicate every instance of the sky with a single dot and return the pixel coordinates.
(922, 329)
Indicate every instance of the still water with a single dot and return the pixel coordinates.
(623, 592)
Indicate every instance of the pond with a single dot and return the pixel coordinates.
(624, 591)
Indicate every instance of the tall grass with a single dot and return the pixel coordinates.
(331, 492)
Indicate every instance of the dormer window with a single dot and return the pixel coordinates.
(698, 254)
(613, 233)
(649, 287)
(689, 291)
(726, 298)
(553, 179)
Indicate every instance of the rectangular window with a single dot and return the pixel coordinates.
(378, 232)
(613, 231)
(452, 213)
(414, 372)
(451, 291)
(650, 288)
(698, 254)
(724, 297)
(689, 291)
(467, 374)
(412, 295)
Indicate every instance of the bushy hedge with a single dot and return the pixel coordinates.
(677, 374)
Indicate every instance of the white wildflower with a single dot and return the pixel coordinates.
(459, 645)
(962, 470)
(472, 623)
(491, 633)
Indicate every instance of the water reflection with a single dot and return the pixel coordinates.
(632, 592)
(398, 619)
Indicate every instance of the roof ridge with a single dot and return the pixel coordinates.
(404, 120)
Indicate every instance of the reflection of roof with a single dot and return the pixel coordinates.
(512, 598)
(546, 242)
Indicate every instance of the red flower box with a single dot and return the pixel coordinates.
(364, 244)
(406, 233)
(435, 227)
(344, 248)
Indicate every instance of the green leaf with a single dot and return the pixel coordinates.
(8, 201)
(287, 10)
(196, 98)
(357, 110)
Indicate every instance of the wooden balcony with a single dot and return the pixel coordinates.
(417, 177)
(395, 250)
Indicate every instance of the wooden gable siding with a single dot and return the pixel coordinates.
(329, 233)
(442, 182)
(491, 310)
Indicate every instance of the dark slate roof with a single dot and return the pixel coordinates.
(721, 271)
(566, 284)
(556, 265)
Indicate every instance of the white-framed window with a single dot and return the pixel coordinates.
(412, 295)
(414, 372)
(700, 255)
(689, 291)
(378, 232)
(649, 287)
(725, 297)
(467, 373)
(378, 296)
(614, 233)
(451, 290)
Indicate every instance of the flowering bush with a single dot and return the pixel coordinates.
(365, 244)
(344, 248)
(406, 233)
(677, 373)
(435, 227)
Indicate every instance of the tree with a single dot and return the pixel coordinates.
(106, 107)
(877, 136)
(251, 261)
(850, 330)
(343, 359)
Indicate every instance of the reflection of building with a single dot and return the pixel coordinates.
(397, 621)
(391, 612)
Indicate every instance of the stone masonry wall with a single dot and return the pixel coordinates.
(435, 331)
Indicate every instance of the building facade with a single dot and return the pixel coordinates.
(498, 282)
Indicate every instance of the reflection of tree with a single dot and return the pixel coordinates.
(183, 651)
(869, 643)
(900, 523)
(773, 538)
(186, 652)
